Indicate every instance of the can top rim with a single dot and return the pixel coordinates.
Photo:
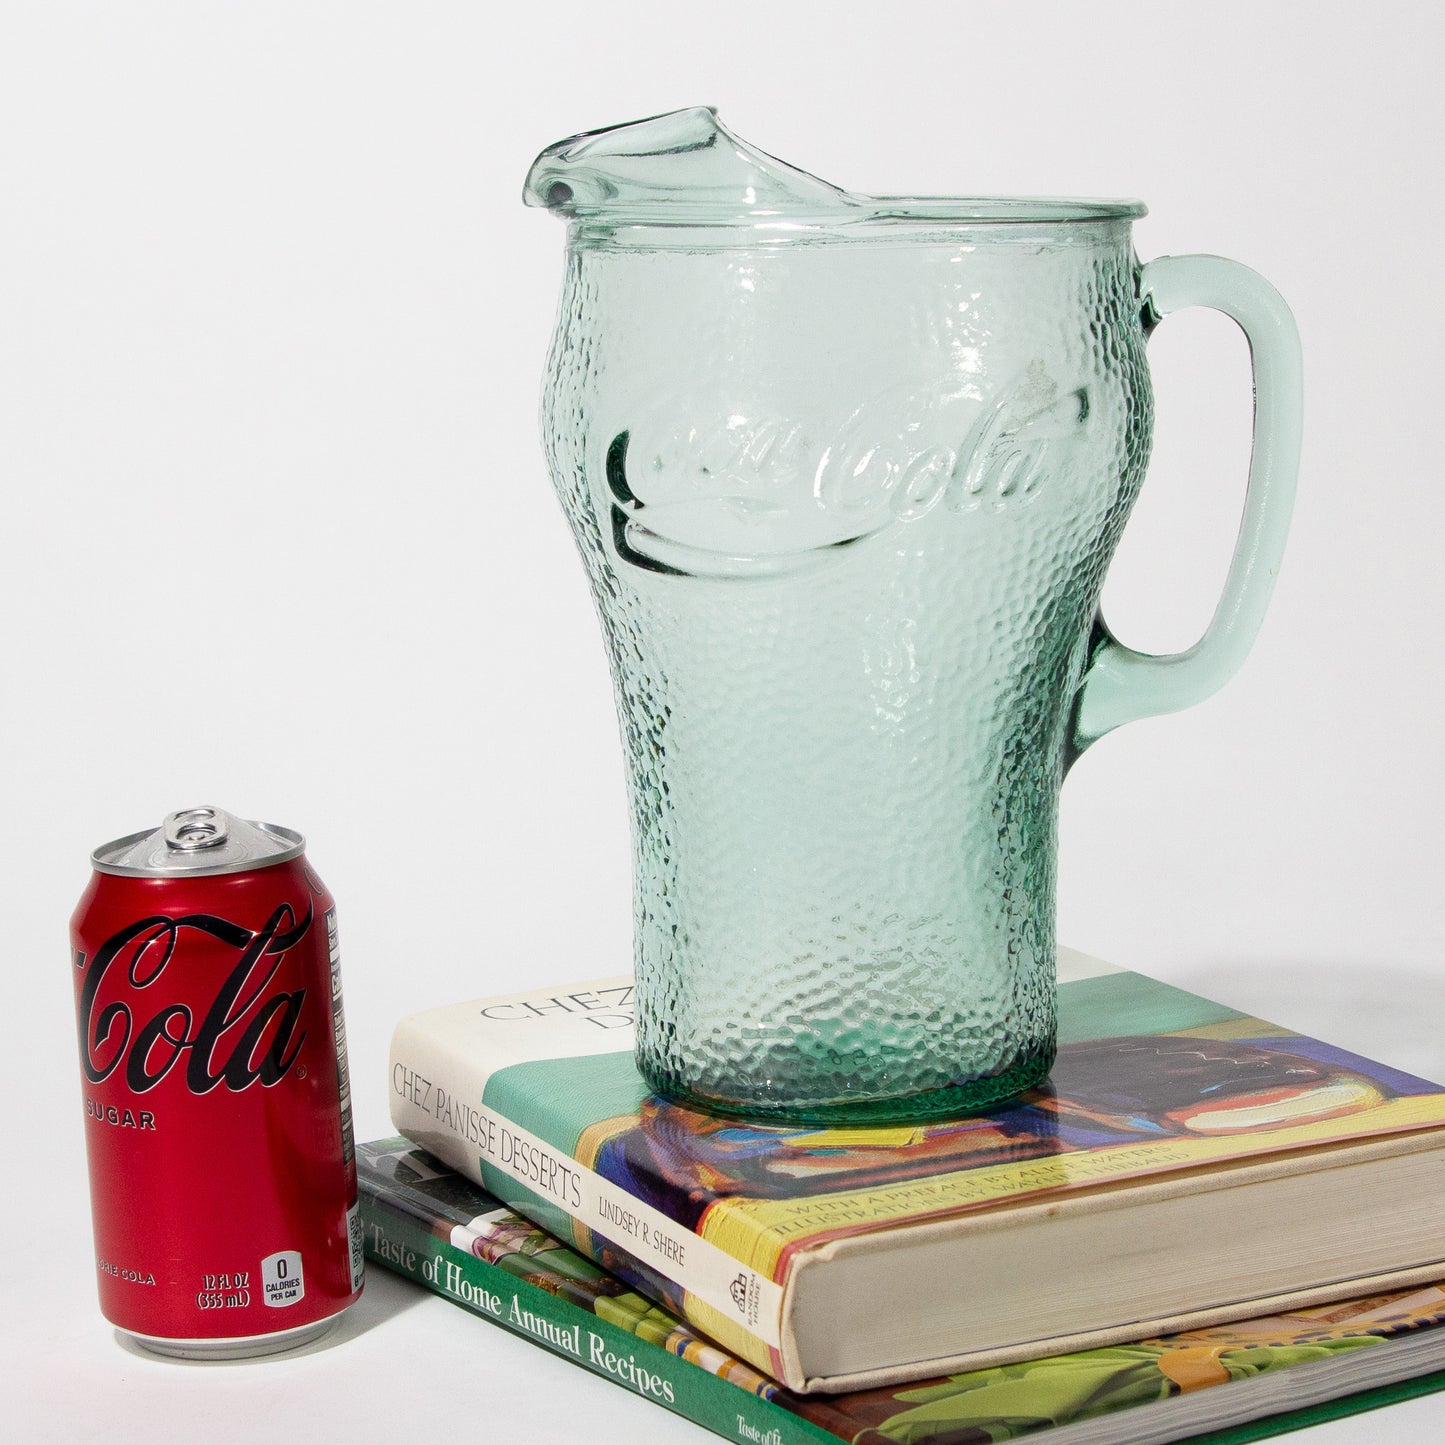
(236, 846)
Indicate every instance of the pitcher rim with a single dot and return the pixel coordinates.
(903, 221)
(899, 211)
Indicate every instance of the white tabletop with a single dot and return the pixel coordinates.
(277, 535)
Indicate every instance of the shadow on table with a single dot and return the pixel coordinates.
(385, 1297)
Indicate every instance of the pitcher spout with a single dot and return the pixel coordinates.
(684, 166)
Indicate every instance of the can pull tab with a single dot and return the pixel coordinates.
(195, 828)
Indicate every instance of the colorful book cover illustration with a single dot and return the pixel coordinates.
(1149, 1079)
(429, 1223)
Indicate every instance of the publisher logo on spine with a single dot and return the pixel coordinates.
(746, 1295)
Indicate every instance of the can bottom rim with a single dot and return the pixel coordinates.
(239, 1347)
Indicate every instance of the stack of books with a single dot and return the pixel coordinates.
(1202, 1226)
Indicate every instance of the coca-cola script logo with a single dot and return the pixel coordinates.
(749, 492)
(245, 1034)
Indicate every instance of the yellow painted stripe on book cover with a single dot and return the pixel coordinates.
(757, 1231)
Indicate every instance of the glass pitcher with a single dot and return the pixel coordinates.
(847, 473)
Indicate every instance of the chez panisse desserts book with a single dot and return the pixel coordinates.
(1222, 1385)
(1184, 1165)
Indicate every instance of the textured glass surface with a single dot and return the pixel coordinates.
(846, 488)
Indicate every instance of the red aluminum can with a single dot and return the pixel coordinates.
(216, 1093)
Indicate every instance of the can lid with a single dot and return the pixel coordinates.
(197, 841)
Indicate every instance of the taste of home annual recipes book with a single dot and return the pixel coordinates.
(1251, 1378)
(1184, 1164)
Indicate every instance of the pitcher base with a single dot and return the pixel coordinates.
(957, 1101)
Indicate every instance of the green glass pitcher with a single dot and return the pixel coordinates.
(847, 472)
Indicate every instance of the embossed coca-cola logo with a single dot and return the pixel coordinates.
(749, 492)
(246, 1033)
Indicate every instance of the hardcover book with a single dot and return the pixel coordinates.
(1185, 1164)
(1236, 1382)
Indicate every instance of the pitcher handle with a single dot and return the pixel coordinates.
(1119, 684)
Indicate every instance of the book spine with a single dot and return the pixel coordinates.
(405, 1244)
(438, 1104)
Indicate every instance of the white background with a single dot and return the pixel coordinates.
(277, 535)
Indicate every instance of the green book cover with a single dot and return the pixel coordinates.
(1224, 1385)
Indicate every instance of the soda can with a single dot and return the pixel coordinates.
(217, 1100)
